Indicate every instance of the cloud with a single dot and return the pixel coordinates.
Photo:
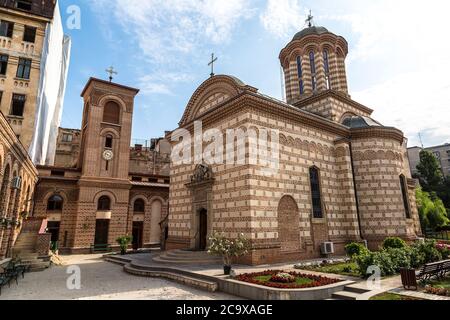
(283, 18)
(164, 28)
(158, 82)
(401, 54)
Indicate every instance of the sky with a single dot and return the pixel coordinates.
(398, 62)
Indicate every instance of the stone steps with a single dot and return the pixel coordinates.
(349, 293)
(210, 286)
(186, 257)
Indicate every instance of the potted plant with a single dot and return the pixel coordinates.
(227, 249)
(124, 242)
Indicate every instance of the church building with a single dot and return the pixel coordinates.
(342, 175)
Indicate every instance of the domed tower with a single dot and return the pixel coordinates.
(314, 62)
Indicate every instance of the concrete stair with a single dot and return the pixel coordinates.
(186, 257)
(24, 249)
(349, 293)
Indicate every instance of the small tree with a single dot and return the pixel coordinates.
(430, 174)
(228, 248)
(124, 242)
(432, 212)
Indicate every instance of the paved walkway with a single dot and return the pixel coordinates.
(100, 280)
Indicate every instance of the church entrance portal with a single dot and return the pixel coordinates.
(138, 230)
(203, 229)
(101, 231)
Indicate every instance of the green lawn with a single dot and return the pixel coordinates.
(346, 269)
(444, 283)
(391, 296)
(298, 280)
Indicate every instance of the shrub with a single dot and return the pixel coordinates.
(228, 248)
(355, 249)
(364, 261)
(124, 242)
(400, 258)
(383, 260)
(394, 243)
(429, 251)
(416, 256)
(444, 250)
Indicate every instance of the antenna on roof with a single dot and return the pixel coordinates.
(420, 139)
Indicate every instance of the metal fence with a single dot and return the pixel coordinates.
(441, 235)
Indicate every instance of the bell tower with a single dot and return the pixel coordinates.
(314, 62)
(106, 130)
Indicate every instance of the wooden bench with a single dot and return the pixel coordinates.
(100, 248)
(427, 272)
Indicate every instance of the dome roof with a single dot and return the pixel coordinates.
(309, 31)
(360, 122)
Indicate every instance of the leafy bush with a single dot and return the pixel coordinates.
(400, 258)
(124, 242)
(429, 250)
(384, 261)
(364, 261)
(394, 243)
(355, 249)
(416, 256)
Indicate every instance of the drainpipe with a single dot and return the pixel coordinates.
(356, 191)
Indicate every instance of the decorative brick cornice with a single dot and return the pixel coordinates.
(332, 94)
(378, 132)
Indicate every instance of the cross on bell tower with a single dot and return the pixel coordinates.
(212, 64)
(309, 20)
(111, 73)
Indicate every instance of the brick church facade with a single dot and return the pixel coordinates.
(101, 188)
(342, 177)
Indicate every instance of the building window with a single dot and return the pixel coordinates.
(18, 105)
(1, 96)
(139, 206)
(327, 68)
(109, 142)
(6, 29)
(24, 68)
(55, 203)
(3, 63)
(111, 112)
(67, 137)
(300, 74)
(24, 4)
(29, 35)
(312, 63)
(403, 185)
(316, 197)
(104, 204)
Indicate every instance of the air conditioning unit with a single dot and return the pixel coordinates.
(16, 183)
(327, 248)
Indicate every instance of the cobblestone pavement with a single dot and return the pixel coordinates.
(100, 280)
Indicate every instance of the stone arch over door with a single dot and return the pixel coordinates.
(288, 224)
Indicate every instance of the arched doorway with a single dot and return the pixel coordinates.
(138, 226)
(288, 225)
(155, 228)
(102, 225)
(203, 229)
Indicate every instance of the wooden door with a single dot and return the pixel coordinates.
(203, 230)
(101, 231)
(138, 231)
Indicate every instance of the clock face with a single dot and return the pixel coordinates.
(108, 155)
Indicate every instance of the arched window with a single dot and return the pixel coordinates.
(403, 185)
(314, 177)
(55, 203)
(300, 74)
(104, 203)
(139, 206)
(326, 63)
(109, 141)
(312, 63)
(111, 112)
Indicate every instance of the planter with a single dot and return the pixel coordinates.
(227, 270)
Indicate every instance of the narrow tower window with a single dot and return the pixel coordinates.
(405, 196)
(315, 193)
(109, 142)
(312, 62)
(300, 74)
(326, 63)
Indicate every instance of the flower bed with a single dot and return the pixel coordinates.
(281, 280)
